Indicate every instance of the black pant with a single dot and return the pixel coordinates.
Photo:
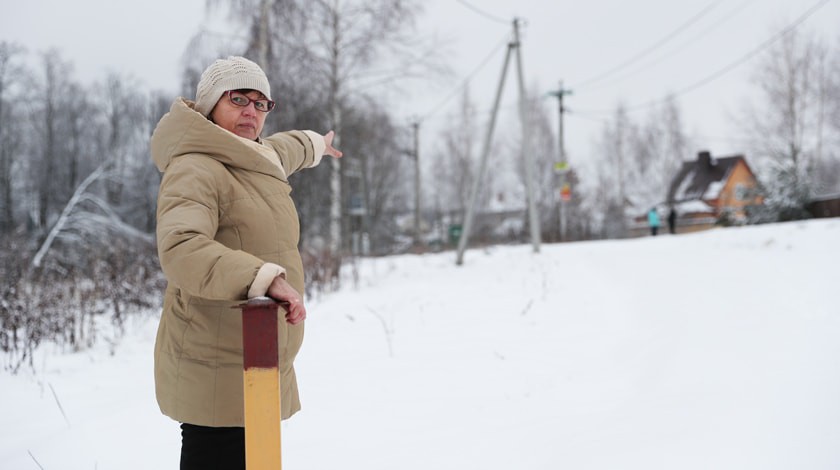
(212, 448)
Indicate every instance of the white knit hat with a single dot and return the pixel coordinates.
(233, 73)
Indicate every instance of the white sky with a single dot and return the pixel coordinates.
(570, 40)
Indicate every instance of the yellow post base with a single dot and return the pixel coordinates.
(262, 419)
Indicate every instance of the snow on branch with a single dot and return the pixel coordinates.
(86, 221)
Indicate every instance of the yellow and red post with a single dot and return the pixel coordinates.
(262, 384)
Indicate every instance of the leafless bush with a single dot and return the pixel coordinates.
(321, 268)
(65, 301)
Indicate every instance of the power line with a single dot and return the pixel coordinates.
(720, 138)
(749, 55)
(466, 80)
(731, 14)
(575, 114)
(483, 13)
(650, 49)
(729, 67)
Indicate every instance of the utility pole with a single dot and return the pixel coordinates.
(533, 217)
(468, 218)
(562, 166)
(416, 155)
(513, 47)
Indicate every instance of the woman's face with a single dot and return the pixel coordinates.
(244, 121)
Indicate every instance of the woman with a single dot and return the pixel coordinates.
(227, 230)
(653, 221)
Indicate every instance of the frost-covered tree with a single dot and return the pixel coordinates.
(612, 150)
(53, 87)
(543, 148)
(658, 149)
(71, 262)
(383, 170)
(636, 163)
(12, 80)
(325, 55)
(790, 125)
(455, 161)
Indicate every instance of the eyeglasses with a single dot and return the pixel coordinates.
(240, 99)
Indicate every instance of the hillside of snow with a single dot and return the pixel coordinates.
(715, 350)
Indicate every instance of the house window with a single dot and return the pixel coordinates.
(741, 192)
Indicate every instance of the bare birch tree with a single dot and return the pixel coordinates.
(357, 34)
(326, 53)
(11, 139)
(121, 111)
(52, 88)
(638, 160)
(788, 122)
(455, 162)
(613, 152)
(383, 171)
(544, 148)
(657, 150)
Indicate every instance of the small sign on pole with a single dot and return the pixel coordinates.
(566, 192)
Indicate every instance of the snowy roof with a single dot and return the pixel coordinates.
(714, 189)
(694, 206)
(702, 179)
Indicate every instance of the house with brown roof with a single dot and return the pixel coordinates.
(711, 189)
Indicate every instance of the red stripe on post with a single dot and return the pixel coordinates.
(259, 333)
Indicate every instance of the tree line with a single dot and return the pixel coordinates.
(77, 205)
(788, 128)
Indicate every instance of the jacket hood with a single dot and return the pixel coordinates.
(183, 130)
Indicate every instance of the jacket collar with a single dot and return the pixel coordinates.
(183, 130)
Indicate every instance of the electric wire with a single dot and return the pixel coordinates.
(731, 14)
(650, 49)
(483, 13)
(727, 68)
(727, 139)
(591, 114)
(575, 114)
(466, 80)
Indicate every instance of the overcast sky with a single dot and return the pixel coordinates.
(643, 49)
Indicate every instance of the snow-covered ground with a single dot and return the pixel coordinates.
(716, 350)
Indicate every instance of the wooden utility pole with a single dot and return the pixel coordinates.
(562, 166)
(513, 46)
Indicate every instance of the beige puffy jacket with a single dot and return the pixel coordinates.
(226, 226)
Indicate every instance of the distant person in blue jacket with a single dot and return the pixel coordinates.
(653, 221)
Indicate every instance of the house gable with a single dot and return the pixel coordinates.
(718, 182)
(736, 191)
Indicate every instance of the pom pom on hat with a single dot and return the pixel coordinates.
(233, 73)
